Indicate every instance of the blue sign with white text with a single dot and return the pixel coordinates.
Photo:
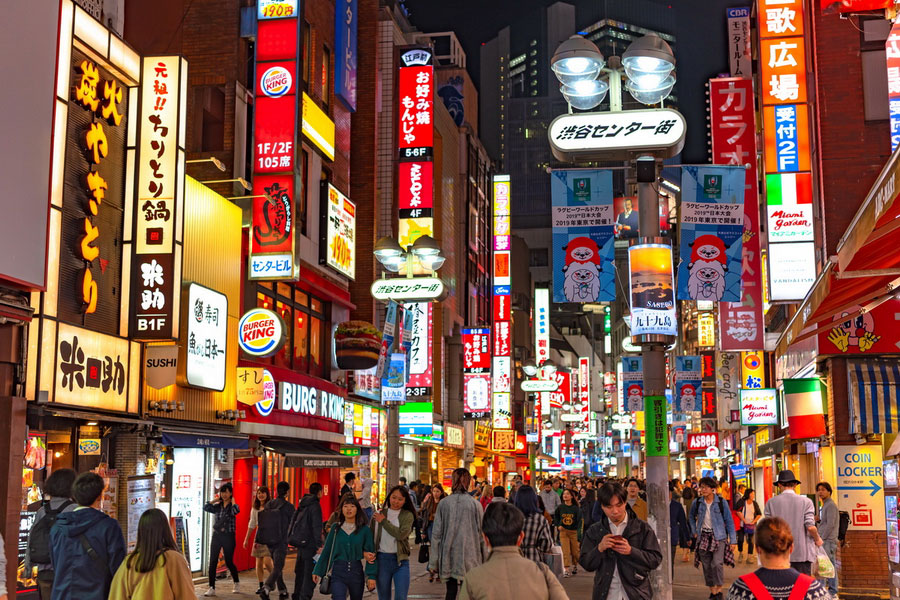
(346, 15)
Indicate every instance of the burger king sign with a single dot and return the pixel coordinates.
(260, 332)
(276, 82)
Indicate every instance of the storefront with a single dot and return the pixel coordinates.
(424, 455)
(364, 427)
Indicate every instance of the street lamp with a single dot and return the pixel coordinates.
(530, 367)
(393, 257)
(649, 65)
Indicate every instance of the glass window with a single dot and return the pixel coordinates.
(300, 298)
(316, 354)
(301, 337)
(283, 357)
(315, 305)
(284, 290)
(326, 76)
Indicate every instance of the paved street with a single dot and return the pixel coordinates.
(688, 583)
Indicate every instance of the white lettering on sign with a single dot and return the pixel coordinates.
(307, 400)
(702, 441)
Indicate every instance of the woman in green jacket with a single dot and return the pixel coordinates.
(348, 543)
(392, 526)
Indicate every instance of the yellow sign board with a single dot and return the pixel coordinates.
(318, 127)
(250, 385)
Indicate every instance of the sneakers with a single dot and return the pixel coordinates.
(566, 574)
(210, 592)
(264, 593)
(574, 570)
(741, 557)
(236, 589)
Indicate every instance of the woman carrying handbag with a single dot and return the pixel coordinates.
(155, 570)
(349, 543)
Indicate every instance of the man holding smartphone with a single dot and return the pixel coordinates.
(620, 547)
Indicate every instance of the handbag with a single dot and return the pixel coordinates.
(325, 584)
(424, 553)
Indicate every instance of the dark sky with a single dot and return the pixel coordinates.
(698, 26)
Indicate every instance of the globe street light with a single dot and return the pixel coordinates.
(393, 257)
(649, 65)
(577, 62)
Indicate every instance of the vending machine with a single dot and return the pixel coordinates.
(892, 526)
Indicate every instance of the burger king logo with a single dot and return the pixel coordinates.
(264, 407)
(260, 332)
(276, 82)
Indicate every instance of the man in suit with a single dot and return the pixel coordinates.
(800, 514)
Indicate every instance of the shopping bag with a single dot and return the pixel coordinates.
(554, 559)
(824, 566)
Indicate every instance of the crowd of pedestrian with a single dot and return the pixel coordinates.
(479, 541)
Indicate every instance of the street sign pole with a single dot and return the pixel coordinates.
(393, 443)
(654, 364)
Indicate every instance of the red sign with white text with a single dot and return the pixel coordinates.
(273, 218)
(476, 345)
(501, 308)
(734, 143)
(415, 190)
(701, 441)
(416, 108)
(563, 393)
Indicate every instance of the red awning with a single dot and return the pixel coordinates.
(866, 269)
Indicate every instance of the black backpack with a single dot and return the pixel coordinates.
(843, 525)
(39, 539)
(269, 528)
(300, 531)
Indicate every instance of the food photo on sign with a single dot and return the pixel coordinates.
(357, 345)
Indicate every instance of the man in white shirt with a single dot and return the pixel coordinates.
(549, 497)
(800, 514)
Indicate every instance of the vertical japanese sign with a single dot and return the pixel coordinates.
(753, 373)
(584, 394)
(712, 217)
(791, 254)
(415, 142)
(274, 141)
(733, 128)
(156, 264)
(688, 379)
(583, 240)
(652, 290)
(476, 345)
(338, 244)
(657, 431)
(728, 379)
(207, 338)
(420, 382)
(892, 55)
(739, 42)
(541, 325)
(346, 20)
(633, 383)
(501, 372)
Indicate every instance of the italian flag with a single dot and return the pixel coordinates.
(803, 405)
(789, 189)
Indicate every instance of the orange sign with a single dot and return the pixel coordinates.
(503, 440)
(786, 133)
(783, 70)
(780, 18)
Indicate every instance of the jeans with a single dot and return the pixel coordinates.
(392, 571)
(741, 535)
(303, 583)
(224, 543)
(830, 547)
(347, 578)
(279, 553)
(803, 567)
(428, 529)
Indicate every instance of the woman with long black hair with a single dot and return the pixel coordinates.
(392, 526)
(155, 570)
(537, 539)
(348, 545)
(225, 510)
(260, 551)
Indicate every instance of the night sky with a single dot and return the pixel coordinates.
(477, 21)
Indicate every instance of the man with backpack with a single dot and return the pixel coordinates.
(305, 534)
(274, 521)
(57, 500)
(86, 545)
(713, 528)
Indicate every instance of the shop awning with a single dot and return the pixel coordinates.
(200, 440)
(874, 396)
(308, 456)
(865, 272)
(771, 449)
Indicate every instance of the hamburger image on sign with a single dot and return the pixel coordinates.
(357, 345)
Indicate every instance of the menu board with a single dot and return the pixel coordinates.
(893, 538)
(187, 497)
(24, 581)
(141, 498)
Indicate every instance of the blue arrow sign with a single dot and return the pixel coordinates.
(875, 488)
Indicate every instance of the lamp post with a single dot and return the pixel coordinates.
(648, 66)
(394, 258)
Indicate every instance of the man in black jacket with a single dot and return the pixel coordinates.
(621, 548)
(278, 551)
(306, 535)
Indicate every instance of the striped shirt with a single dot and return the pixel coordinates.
(779, 583)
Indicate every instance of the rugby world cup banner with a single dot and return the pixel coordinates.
(712, 224)
(688, 379)
(583, 239)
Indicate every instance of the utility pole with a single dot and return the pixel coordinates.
(393, 444)
(653, 350)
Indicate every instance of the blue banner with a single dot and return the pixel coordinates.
(346, 15)
(633, 383)
(393, 386)
(688, 379)
(712, 225)
(583, 240)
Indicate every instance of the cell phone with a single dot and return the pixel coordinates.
(619, 538)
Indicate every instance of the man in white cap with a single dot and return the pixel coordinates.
(800, 514)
